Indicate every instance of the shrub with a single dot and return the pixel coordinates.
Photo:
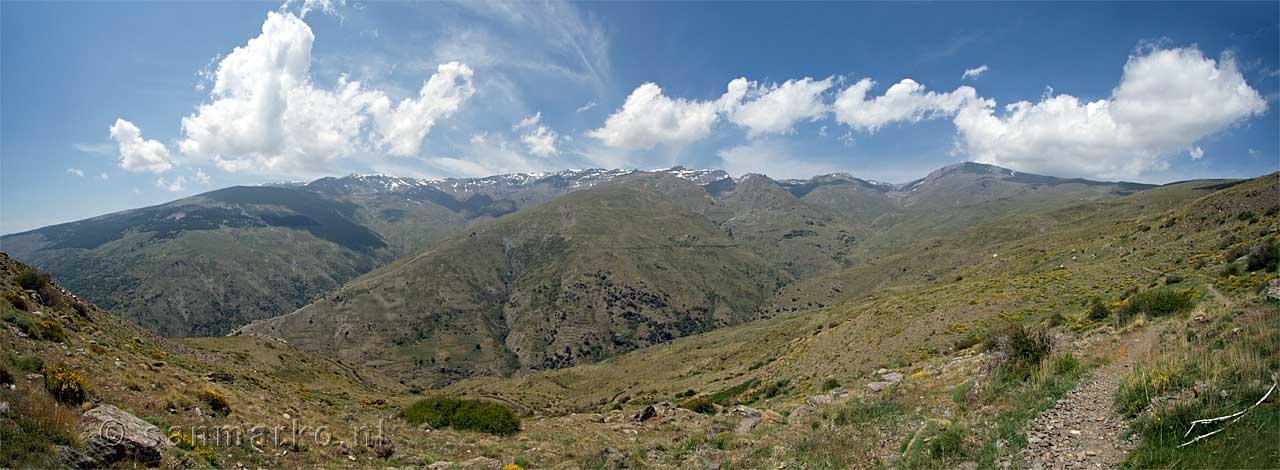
(5, 377)
(776, 388)
(50, 330)
(65, 384)
(51, 297)
(17, 300)
(686, 393)
(699, 405)
(1098, 309)
(830, 384)
(29, 363)
(31, 279)
(1172, 279)
(464, 415)
(966, 342)
(1158, 303)
(1264, 257)
(1064, 364)
(1019, 349)
(948, 443)
(215, 399)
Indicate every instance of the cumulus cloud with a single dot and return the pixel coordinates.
(201, 177)
(539, 139)
(1196, 153)
(648, 118)
(541, 142)
(1167, 99)
(266, 116)
(974, 73)
(775, 109)
(138, 154)
(904, 101)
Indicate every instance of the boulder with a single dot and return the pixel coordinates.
(112, 435)
(747, 424)
(1273, 289)
(878, 386)
(892, 377)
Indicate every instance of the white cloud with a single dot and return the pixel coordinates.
(75, 171)
(1167, 100)
(136, 153)
(174, 186)
(648, 118)
(540, 140)
(974, 73)
(201, 177)
(775, 109)
(904, 101)
(104, 176)
(529, 121)
(266, 116)
(585, 107)
(404, 126)
(1196, 153)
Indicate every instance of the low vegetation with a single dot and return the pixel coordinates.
(65, 384)
(1219, 363)
(463, 415)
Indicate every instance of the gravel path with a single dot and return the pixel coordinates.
(1082, 431)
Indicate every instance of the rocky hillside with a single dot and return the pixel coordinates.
(206, 264)
(642, 260)
(578, 279)
(1153, 308)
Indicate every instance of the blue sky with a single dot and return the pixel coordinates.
(112, 106)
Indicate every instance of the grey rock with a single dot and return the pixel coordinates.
(112, 435)
(878, 386)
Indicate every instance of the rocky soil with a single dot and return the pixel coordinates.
(1082, 431)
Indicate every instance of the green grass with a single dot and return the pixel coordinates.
(1025, 401)
(1214, 367)
(463, 415)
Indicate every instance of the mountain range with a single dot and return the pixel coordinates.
(440, 280)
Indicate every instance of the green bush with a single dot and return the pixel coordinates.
(17, 300)
(1064, 364)
(1098, 309)
(830, 384)
(5, 377)
(463, 415)
(699, 405)
(1157, 303)
(50, 330)
(1264, 256)
(31, 279)
(28, 363)
(1021, 348)
(948, 443)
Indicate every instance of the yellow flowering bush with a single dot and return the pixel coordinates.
(65, 384)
